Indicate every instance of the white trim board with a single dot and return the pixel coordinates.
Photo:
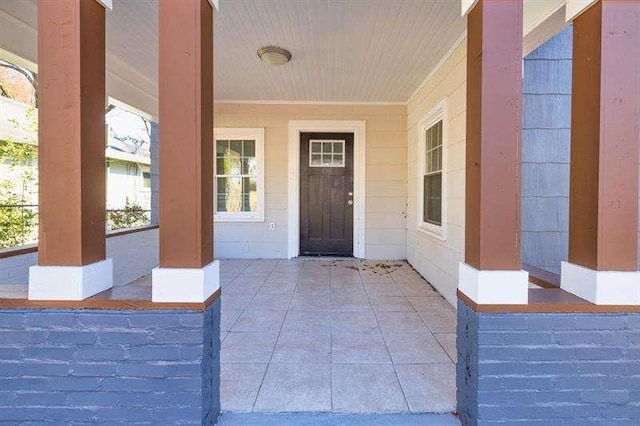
(70, 282)
(601, 287)
(185, 285)
(494, 287)
(358, 128)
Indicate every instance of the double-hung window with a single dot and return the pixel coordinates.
(239, 174)
(431, 175)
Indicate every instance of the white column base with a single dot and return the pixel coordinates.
(70, 282)
(185, 285)
(493, 287)
(601, 287)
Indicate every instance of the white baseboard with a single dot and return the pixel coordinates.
(601, 287)
(494, 287)
(185, 285)
(70, 282)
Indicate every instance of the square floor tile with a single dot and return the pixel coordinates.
(303, 348)
(354, 322)
(383, 289)
(346, 279)
(374, 276)
(429, 387)
(258, 320)
(235, 301)
(240, 286)
(278, 287)
(427, 304)
(415, 348)
(228, 317)
(350, 303)
(440, 320)
(358, 348)
(391, 304)
(350, 290)
(275, 302)
(313, 289)
(307, 322)
(420, 289)
(448, 342)
(310, 302)
(366, 388)
(248, 347)
(295, 388)
(401, 322)
(239, 385)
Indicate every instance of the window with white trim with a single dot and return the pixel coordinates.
(432, 173)
(239, 175)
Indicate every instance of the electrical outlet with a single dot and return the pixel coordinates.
(272, 226)
(246, 246)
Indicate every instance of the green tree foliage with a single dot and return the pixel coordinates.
(130, 216)
(18, 186)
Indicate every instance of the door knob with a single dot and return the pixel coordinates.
(350, 202)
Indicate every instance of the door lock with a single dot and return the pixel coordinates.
(350, 193)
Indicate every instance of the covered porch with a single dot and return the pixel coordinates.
(411, 148)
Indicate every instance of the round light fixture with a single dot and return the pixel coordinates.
(274, 55)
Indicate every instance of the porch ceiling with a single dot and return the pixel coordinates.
(347, 50)
(351, 50)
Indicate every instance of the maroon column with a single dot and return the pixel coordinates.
(494, 114)
(186, 133)
(71, 159)
(605, 111)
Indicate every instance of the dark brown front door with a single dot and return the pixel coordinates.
(326, 194)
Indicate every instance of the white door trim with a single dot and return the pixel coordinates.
(358, 128)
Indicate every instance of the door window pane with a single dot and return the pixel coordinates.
(326, 153)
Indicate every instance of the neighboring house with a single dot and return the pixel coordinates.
(491, 149)
(128, 160)
(128, 175)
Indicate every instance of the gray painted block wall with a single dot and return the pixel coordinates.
(546, 137)
(116, 367)
(566, 368)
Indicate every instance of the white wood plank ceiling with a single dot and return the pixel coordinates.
(343, 50)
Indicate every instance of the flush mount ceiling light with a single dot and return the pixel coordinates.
(274, 55)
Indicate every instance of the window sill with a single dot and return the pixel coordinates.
(238, 219)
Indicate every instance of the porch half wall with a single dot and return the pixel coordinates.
(134, 254)
(386, 171)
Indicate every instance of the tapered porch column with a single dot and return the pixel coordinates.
(492, 269)
(71, 159)
(605, 114)
(187, 272)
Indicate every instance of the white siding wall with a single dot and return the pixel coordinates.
(134, 255)
(125, 182)
(435, 259)
(385, 177)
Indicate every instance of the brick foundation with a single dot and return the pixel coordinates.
(80, 366)
(569, 369)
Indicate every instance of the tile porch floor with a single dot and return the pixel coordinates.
(344, 336)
